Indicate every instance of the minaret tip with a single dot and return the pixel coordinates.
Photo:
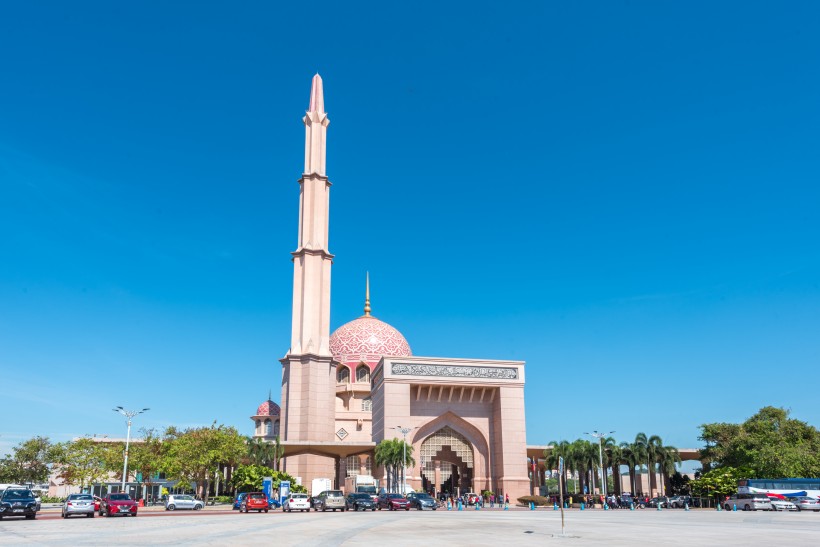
(317, 95)
(367, 295)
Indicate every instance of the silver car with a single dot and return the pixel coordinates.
(182, 501)
(749, 502)
(805, 503)
(78, 504)
(329, 499)
(783, 505)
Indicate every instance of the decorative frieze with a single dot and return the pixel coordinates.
(449, 371)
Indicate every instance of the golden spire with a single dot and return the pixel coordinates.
(367, 296)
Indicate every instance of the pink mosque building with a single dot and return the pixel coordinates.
(344, 393)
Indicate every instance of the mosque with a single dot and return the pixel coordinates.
(344, 393)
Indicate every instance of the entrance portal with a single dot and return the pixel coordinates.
(447, 462)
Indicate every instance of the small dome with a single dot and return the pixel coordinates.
(367, 339)
(268, 408)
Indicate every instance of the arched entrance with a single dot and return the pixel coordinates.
(446, 461)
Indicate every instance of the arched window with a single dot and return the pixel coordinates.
(363, 374)
(276, 428)
(343, 376)
(268, 428)
(352, 464)
(367, 404)
(258, 427)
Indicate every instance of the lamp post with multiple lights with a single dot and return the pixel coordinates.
(600, 437)
(404, 431)
(129, 414)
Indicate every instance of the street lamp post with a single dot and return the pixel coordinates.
(404, 431)
(600, 437)
(128, 414)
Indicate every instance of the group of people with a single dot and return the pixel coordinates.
(488, 500)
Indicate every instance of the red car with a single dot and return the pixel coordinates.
(393, 502)
(254, 501)
(118, 504)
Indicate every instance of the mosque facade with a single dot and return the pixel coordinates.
(343, 393)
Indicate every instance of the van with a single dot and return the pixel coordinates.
(749, 502)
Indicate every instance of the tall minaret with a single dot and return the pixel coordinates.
(308, 370)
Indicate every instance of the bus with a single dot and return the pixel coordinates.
(788, 488)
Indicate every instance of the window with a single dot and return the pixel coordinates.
(367, 404)
(343, 376)
(363, 374)
(268, 428)
(352, 464)
(276, 428)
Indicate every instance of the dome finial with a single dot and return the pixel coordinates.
(367, 295)
(270, 392)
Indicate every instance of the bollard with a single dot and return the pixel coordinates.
(555, 506)
(506, 506)
(659, 505)
(734, 507)
(686, 506)
(477, 506)
(718, 507)
(631, 506)
(460, 507)
(582, 506)
(449, 506)
(606, 507)
(532, 506)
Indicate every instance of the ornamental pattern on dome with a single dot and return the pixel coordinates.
(365, 338)
(268, 408)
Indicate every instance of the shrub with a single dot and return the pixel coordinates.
(51, 499)
(539, 501)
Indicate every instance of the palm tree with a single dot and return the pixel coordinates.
(668, 457)
(644, 454)
(552, 455)
(612, 460)
(653, 453)
(391, 454)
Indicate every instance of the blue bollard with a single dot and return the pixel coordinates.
(686, 506)
(583, 505)
(718, 507)
(734, 507)
(460, 507)
(631, 506)
(449, 506)
(532, 506)
(606, 507)
(659, 505)
(506, 506)
(555, 506)
(477, 506)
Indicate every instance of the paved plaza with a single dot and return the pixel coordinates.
(487, 527)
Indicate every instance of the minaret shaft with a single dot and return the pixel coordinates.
(312, 260)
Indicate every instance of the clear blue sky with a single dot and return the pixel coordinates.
(623, 194)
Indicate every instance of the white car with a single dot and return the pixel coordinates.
(182, 501)
(783, 505)
(297, 502)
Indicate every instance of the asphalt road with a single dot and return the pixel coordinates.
(217, 526)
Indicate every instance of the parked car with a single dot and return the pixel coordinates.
(97, 500)
(805, 503)
(679, 502)
(78, 504)
(470, 498)
(359, 501)
(393, 502)
(118, 504)
(183, 501)
(274, 503)
(237, 503)
(18, 502)
(254, 501)
(626, 500)
(783, 505)
(663, 501)
(422, 501)
(297, 502)
(749, 502)
(329, 499)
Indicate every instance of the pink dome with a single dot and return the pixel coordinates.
(268, 408)
(367, 339)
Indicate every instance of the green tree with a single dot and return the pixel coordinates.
(719, 483)
(30, 461)
(147, 457)
(196, 454)
(390, 453)
(248, 478)
(83, 462)
(769, 443)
